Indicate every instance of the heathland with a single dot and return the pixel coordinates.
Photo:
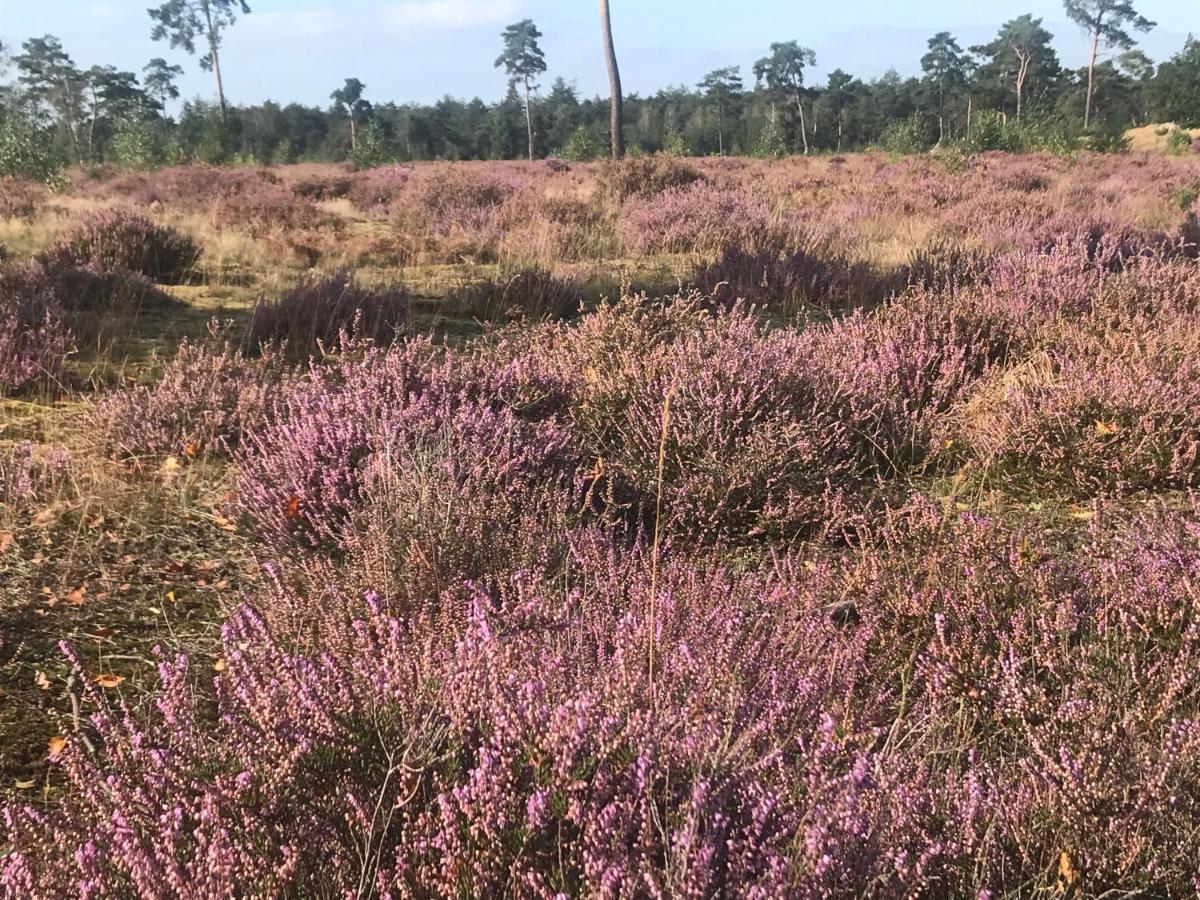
(816, 527)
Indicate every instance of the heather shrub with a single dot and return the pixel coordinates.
(20, 198)
(267, 207)
(27, 473)
(311, 316)
(35, 337)
(207, 399)
(698, 218)
(958, 708)
(889, 377)
(114, 240)
(747, 449)
(374, 190)
(1094, 413)
(324, 188)
(453, 213)
(645, 176)
(530, 293)
(789, 279)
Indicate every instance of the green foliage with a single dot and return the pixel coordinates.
(1186, 196)
(27, 151)
(675, 144)
(991, 131)
(138, 144)
(582, 146)
(1179, 142)
(770, 143)
(1104, 137)
(371, 150)
(905, 137)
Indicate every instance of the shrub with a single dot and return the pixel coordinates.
(206, 401)
(674, 724)
(26, 473)
(788, 279)
(114, 240)
(905, 137)
(314, 314)
(27, 151)
(34, 334)
(645, 176)
(1179, 142)
(699, 218)
(1095, 413)
(530, 293)
(20, 198)
(582, 146)
(371, 148)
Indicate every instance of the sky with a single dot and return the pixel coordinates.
(421, 50)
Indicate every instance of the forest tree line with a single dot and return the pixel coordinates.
(1010, 93)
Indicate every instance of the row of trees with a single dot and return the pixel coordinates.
(1014, 81)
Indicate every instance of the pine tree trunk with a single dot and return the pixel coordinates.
(616, 119)
(215, 58)
(528, 119)
(1087, 104)
(803, 127)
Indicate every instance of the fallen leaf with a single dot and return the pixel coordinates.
(219, 664)
(96, 522)
(191, 450)
(6, 540)
(169, 466)
(109, 681)
(293, 508)
(25, 785)
(1105, 428)
(76, 597)
(1066, 870)
(41, 680)
(56, 746)
(170, 596)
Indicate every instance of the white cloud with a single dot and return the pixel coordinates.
(449, 14)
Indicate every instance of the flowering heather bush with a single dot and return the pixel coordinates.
(787, 279)
(188, 188)
(266, 207)
(374, 190)
(698, 218)
(25, 473)
(750, 449)
(324, 187)
(956, 710)
(34, 334)
(1095, 413)
(314, 314)
(528, 293)
(206, 400)
(645, 176)
(114, 240)
(20, 199)
(453, 213)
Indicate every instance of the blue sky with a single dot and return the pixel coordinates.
(424, 49)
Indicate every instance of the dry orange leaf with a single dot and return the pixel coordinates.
(1106, 428)
(6, 540)
(109, 681)
(1066, 869)
(56, 746)
(293, 508)
(76, 597)
(219, 664)
(191, 450)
